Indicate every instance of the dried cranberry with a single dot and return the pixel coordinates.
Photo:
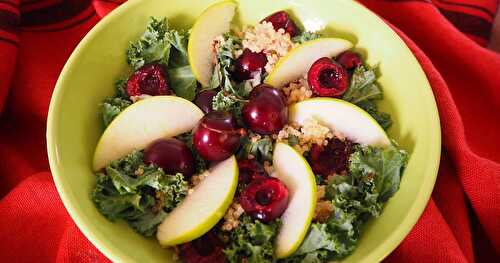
(248, 64)
(349, 60)
(150, 80)
(327, 78)
(281, 19)
(332, 158)
(206, 249)
(265, 199)
(249, 171)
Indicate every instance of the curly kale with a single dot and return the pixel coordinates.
(252, 241)
(138, 193)
(374, 176)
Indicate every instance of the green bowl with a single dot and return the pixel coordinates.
(74, 123)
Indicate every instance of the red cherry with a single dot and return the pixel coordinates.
(281, 19)
(266, 112)
(332, 158)
(249, 63)
(327, 78)
(206, 249)
(349, 60)
(216, 136)
(204, 100)
(172, 155)
(150, 80)
(249, 171)
(265, 199)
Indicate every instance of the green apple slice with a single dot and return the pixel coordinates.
(202, 209)
(296, 174)
(339, 115)
(214, 21)
(142, 123)
(298, 61)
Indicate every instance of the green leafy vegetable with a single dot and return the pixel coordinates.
(168, 47)
(230, 95)
(183, 82)
(261, 149)
(252, 241)
(111, 107)
(151, 46)
(140, 194)
(383, 118)
(386, 165)
(364, 91)
(374, 176)
(305, 36)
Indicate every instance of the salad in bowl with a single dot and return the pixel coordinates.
(255, 144)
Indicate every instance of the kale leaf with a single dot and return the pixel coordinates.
(112, 106)
(230, 95)
(261, 149)
(151, 46)
(167, 47)
(374, 176)
(386, 165)
(305, 36)
(140, 194)
(364, 92)
(252, 241)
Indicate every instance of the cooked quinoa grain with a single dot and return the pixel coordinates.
(263, 38)
(312, 132)
(232, 217)
(297, 91)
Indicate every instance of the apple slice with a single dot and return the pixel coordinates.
(142, 123)
(202, 209)
(298, 61)
(295, 172)
(339, 115)
(214, 21)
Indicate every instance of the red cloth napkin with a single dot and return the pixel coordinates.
(460, 223)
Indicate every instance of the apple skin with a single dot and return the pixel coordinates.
(342, 116)
(142, 123)
(294, 171)
(199, 212)
(214, 21)
(298, 61)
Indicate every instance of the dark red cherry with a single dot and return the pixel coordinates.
(150, 80)
(349, 60)
(327, 78)
(332, 158)
(249, 171)
(265, 199)
(204, 100)
(248, 64)
(266, 112)
(216, 136)
(172, 155)
(206, 249)
(281, 19)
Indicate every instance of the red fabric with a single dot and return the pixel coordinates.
(460, 223)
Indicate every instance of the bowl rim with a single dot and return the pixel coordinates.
(376, 255)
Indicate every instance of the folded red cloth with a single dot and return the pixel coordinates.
(460, 223)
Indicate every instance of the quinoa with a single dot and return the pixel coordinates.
(312, 132)
(324, 208)
(263, 38)
(232, 217)
(196, 179)
(297, 91)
